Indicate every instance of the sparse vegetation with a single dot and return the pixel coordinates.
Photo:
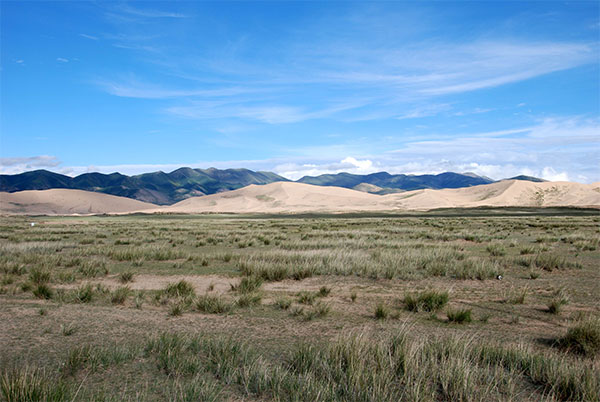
(212, 304)
(459, 316)
(430, 300)
(306, 316)
(179, 289)
(118, 296)
(248, 284)
(283, 303)
(126, 277)
(249, 299)
(381, 311)
(583, 338)
(43, 291)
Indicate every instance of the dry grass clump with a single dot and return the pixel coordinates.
(39, 276)
(248, 284)
(180, 289)
(84, 294)
(496, 250)
(429, 300)
(459, 316)
(516, 296)
(476, 269)
(381, 311)
(283, 303)
(358, 368)
(126, 277)
(43, 291)
(583, 338)
(249, 299)
(212, 304)
(550, 262)
(120, 295)
(31, 384)
(560, 299)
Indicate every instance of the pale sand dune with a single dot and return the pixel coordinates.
(67, 202)
(286, 197)
(504, 193)
(297, 197)
(281, 197)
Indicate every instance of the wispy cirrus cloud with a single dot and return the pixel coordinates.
(391, 83)
(91, 37)
(135, 89)
(146, 12)
(270, 114)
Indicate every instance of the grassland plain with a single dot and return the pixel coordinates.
(353, 308)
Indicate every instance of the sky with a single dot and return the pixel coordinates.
(302, 88)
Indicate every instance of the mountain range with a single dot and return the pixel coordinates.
(168, 188)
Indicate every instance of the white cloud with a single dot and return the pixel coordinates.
(23, 164)
(269, 114)
(62, 59)
(424, 111)
(88, 36)
(391, 82)
(136, 89)
(147, 13)
(554, 149)
(549, 173)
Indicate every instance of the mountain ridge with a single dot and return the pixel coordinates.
(169, 188)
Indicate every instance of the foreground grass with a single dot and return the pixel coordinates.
(352, 368)
(500, 308)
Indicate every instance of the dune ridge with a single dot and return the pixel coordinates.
(290, 197)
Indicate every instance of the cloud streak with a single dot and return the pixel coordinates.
(385, 81)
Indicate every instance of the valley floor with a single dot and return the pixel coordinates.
(305, 308)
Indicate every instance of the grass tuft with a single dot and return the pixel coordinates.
(119, 296)
(429, 300)
(459, 316)
(212, 304)
(126, 277)
(283, 303)
(381, 311)
(583, 338)
(180, 289)
(43, 291)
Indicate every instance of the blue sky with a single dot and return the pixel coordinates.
(495, 88)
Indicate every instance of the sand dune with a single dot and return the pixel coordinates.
(67, 202)
(504, 193)
(298, 197)
(281, 197)
(289, 197)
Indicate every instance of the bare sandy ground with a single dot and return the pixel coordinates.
(285, 197)
(67, 202)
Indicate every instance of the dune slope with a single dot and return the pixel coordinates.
(507, 193)
(67, 202)
(290, 197)
(281, 197)
(298, 197)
